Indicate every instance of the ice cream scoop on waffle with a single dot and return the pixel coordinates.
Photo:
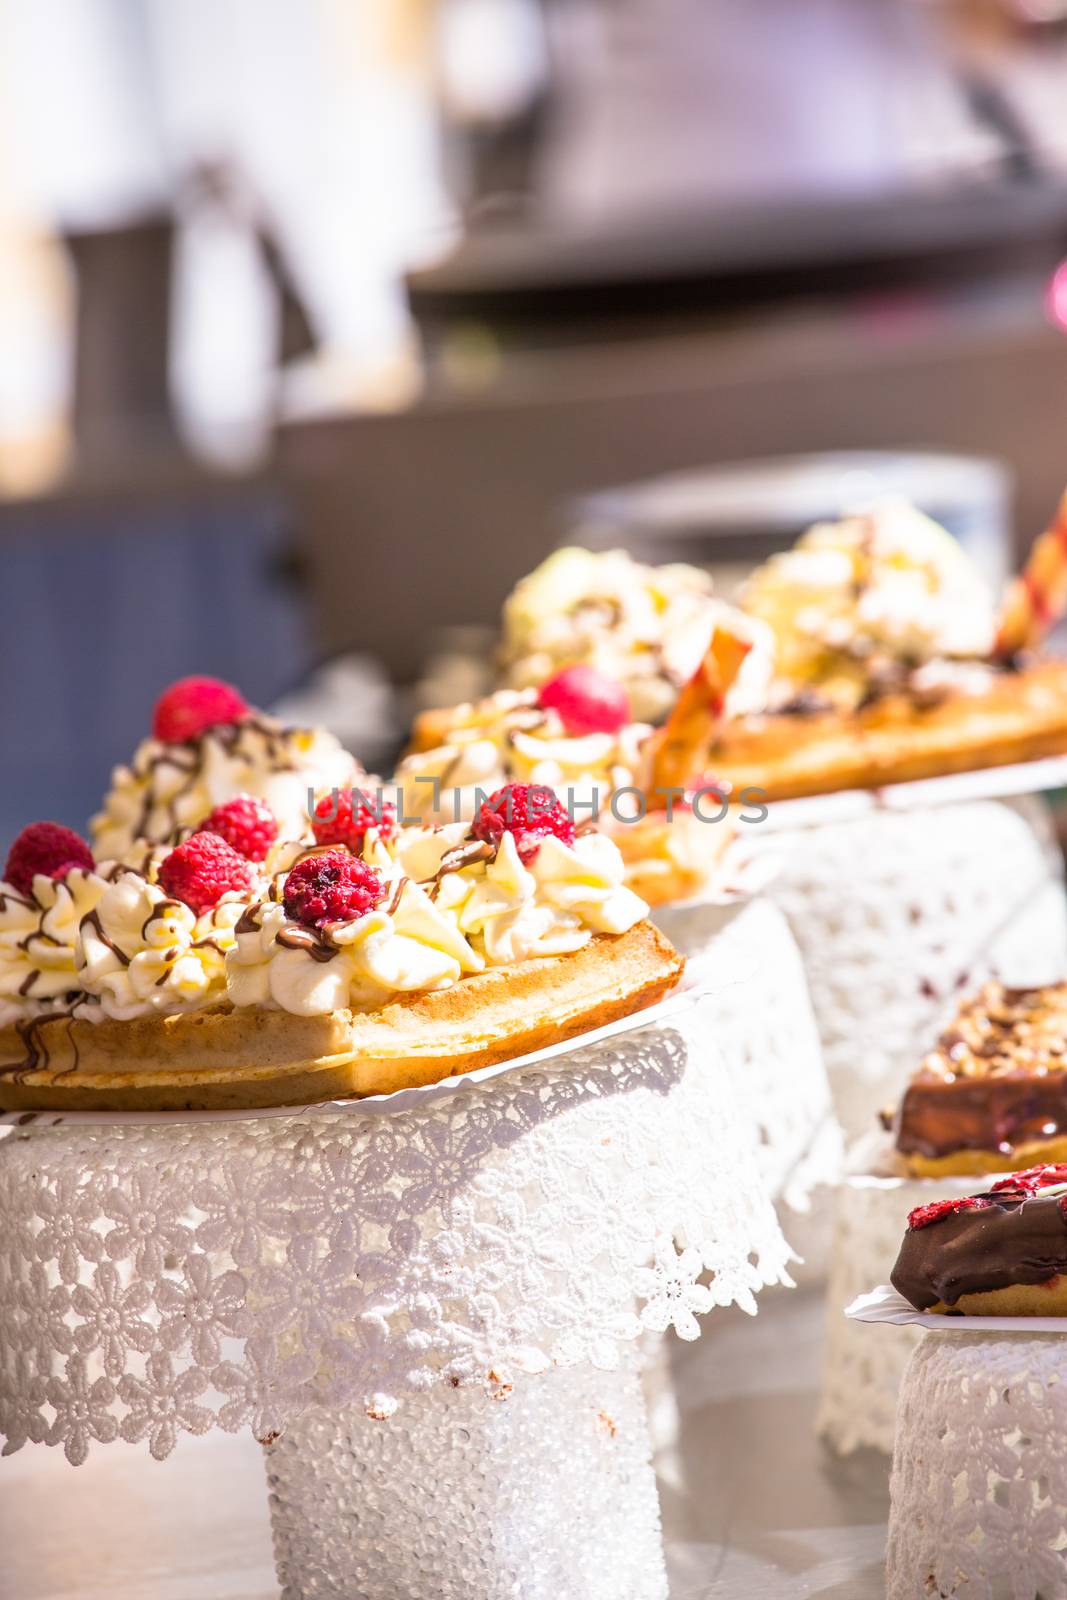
(890, 664)
(237, 968)
(1002, 1253)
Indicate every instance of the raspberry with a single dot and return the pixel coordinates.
(47, 848)
(586, 701)
(334, 887)
(923, 1216)
(192, 705)
(343, 817)
(203, 869)
(530, 812)
(1033, 1179)
(247, 825)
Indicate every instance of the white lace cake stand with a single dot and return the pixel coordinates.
(898, 913)
(429, 1315)
(861, 1374)
(979, 1483)
(772, 1039)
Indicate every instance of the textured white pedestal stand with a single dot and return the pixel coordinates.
(772, 1041)
(979, 1484)
(898, 913)
(550, 1493)
(863, 1368)
(399, 1298)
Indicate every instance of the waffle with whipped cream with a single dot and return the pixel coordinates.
(574, 735)
(233, 966)
(644, 627)
(885, 667)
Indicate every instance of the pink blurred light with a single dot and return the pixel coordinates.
(1056, 297)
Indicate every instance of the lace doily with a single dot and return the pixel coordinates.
(979, 1484)
(863, 1366)
(771, 1041)
(550, 1495)
(164, 1279)
(898, 914)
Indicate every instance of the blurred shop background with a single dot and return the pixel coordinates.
(322, 321)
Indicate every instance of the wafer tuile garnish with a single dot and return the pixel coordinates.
(680, 747)
(1036, 598)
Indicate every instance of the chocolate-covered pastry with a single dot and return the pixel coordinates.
(993, 1093)
(1001, 1253)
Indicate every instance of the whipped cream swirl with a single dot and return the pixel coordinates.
(869, 591)
(453, 908)
(138, 951)
(168, 787)
(647, 627)
(38, 941)
(509, 738)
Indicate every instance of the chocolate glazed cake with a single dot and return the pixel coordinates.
(993, 1094)
(1002, 1253)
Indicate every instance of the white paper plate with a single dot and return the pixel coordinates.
(699, 980)
(884, 1304)
(990, 783)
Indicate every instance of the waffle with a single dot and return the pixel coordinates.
(809, 749)
(226, 1058)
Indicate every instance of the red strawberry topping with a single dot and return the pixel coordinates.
(47, 848)
(203, 869)
(344, 816)
(1033, 1179)
(192, 705)
(335, 887)
(247, 825)
(586, 701)
(937, 1210)
(530, 812)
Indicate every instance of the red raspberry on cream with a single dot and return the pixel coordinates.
(203, 869)
(193, 705)
(586, 701)
(335, 887)
(46, 848)
(530, 812)
(247, 825)
(344, 815)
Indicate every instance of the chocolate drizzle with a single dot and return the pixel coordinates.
(37, 1056)
(395, 898)
(187, 759)
(460, 856)
(248, 921)
(314, 942)
(93, 920)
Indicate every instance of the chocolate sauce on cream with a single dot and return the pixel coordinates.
(460, 856)
(93, 919)
(187, 759)
(314, 942)
(395, 898)
(248, 921)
